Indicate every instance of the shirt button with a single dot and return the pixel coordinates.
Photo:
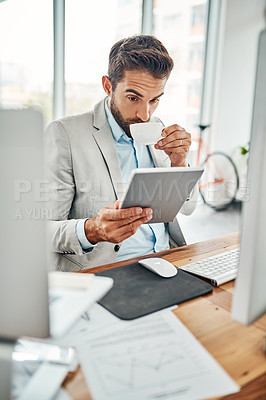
(116, 248)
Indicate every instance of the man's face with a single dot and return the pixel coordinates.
(135, 98)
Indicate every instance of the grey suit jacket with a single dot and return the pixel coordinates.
(84, 176)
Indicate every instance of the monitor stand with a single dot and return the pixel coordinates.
(6, 349)
(29, 349)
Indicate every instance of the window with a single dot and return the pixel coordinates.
(198, 19)
(92, 27)
(180, 25)
(26, 57)
(195, 57)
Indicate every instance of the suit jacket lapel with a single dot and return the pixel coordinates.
(104, 139)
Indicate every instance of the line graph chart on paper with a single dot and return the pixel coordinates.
(137, 369)
(154, 357)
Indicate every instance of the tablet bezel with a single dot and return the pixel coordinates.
(165, 209)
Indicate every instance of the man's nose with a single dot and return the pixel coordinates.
(144, 112)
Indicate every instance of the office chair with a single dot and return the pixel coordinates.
(176, 238)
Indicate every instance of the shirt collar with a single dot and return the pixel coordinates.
(118, 133)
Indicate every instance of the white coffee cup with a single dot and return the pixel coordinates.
(146, 133)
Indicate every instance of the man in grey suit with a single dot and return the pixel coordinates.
(90, 157)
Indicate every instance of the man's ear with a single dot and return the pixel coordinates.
(107, 86)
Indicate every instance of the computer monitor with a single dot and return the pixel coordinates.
(23, 256)
(25, 308)
(249, 300)
(23, 265)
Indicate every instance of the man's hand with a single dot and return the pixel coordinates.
(114, 225)
(176, 143)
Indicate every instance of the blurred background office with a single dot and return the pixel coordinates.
(53, 54)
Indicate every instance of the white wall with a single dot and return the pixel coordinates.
(241, 22)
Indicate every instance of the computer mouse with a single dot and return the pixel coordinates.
(159, 266)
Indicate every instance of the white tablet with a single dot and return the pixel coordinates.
(163, 189)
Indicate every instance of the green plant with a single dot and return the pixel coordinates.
(244, 149)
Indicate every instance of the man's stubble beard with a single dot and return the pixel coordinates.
(124, 123)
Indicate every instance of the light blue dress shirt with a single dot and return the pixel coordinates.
(149, 238)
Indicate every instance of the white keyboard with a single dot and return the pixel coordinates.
(218, 269)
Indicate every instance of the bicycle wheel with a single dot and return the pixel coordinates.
(219, 182)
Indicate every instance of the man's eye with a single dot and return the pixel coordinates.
(155, 101)
(131, 98)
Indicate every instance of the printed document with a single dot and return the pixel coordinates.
(154, 357)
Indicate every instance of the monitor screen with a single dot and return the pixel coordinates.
(249, 300)
(23, 265)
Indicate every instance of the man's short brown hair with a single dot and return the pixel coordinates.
(139, 52)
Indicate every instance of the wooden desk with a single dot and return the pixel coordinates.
(237, 348)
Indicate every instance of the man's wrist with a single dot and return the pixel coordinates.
(80, 232)
(184, 164)
(90, 231)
